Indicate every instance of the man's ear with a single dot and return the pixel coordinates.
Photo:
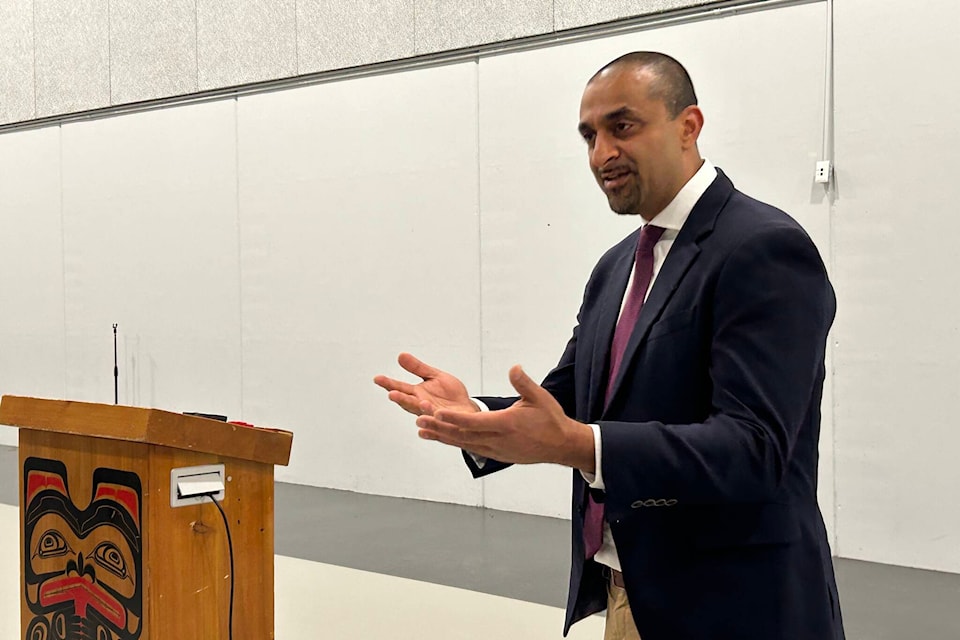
(690, 121)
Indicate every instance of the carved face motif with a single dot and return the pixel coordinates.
(82, 569)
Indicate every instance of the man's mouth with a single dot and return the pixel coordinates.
(615, 178)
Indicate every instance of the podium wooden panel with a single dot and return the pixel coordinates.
(104, 555)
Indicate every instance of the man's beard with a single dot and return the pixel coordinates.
(625, 204)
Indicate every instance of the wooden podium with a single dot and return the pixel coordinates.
(104, 555)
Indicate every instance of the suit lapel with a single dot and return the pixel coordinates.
(674, 267)
(682, 254)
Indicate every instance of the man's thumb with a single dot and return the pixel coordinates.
(525, 386)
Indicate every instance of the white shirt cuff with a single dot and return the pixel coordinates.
(479, 460)
(595, 480)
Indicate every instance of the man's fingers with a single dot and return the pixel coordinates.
(393, 385)
(475, 422)
(417, 367)
(458, 429)
(475, 448)
(408, 403)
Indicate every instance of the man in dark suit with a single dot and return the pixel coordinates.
(687, 400)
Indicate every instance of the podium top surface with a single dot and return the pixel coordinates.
(148, 426)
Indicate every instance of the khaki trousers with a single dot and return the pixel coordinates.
(620, 624)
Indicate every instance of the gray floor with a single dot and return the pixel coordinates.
(526, 557)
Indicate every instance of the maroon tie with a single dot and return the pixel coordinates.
(642, 275)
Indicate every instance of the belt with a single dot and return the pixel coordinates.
(615, 577)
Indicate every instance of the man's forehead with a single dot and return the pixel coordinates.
(604, 96)
(627, 84)
(626, 74)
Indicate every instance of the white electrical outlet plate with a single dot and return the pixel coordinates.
(191, 485)
(822, 172)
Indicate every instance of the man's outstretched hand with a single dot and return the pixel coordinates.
(439, 389)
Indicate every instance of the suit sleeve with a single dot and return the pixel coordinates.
(772, 308)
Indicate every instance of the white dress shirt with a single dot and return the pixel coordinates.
(671, 218)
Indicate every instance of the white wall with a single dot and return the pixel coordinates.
(31, 268)
(359, 218)
(897, 356)
(150, 242)
(266, 257)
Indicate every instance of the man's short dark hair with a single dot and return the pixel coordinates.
(672, 84)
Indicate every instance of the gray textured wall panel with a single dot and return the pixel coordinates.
(153, 49)
(62, 56)
(579, 13)
(16, 61)
(342, 33)
(452, 24)
(241, 41)
(72, 55)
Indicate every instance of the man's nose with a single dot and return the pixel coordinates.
(604, 149)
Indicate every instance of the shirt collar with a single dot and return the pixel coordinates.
(676, 213)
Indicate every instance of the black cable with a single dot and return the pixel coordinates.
(226, 525)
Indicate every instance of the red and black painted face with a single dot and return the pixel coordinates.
(82, 569)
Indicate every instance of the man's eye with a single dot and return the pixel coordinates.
(623, 127)
(588, 137)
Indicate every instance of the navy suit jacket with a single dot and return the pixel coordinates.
(709, 439)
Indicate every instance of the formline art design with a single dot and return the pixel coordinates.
(82, 568)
